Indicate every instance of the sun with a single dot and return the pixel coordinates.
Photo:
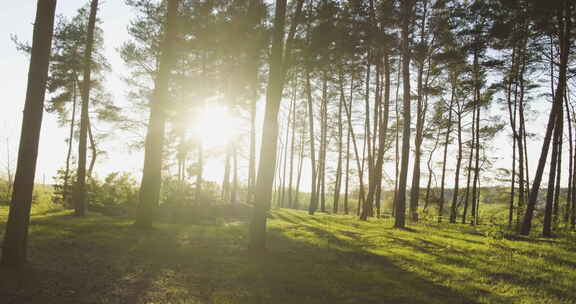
(215, 126)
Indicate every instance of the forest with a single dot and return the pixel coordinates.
(302, 151)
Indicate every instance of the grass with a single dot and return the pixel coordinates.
(319, 259)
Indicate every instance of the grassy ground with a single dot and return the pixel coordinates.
(320, 259)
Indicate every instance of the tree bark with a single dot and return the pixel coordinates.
(400, 216)
(154, 144)
(65, 188)
(445, 155)
(313, 199)
(16, 234)
(265, 179)
(454, 206)
(79, 194)
(565, 25)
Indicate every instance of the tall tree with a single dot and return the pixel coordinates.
(268, 149)
(16, 235)
(400, 214)
(152, 171)
(564, 24)
(79, 194)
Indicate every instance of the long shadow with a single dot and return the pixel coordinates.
(103, 260)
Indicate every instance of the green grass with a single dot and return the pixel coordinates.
(319, 259)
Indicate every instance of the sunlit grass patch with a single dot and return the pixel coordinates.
(310, 259)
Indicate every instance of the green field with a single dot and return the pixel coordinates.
(311, 259)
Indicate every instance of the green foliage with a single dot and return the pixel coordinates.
(5, 191)
(117, 189)
(117, 193)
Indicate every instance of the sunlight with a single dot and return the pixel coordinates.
(215, 126)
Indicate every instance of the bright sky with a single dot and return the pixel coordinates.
(17, 17)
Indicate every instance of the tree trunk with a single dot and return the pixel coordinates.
(65, 188)
(400, 216)
(323, 143)
(296, 202)
(454, 206)
(200, 172)
(564, 26)
(292, 148)
(234, 192)
(383, 133)
(226, 180)
(353, 136)
(475, 188)
(338, 182)
(252, 157)
(152, 170)
(554, 162)
(265, 179)
(346, 185)
(367, 202)
(79, 194)
(570, 164)
(313, 200)
(469, 169)
(93, 150)
(16, 234)
(415, 188)
(445, 155)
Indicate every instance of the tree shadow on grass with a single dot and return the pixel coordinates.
(107, 260)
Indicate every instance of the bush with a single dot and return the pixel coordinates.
(115, 195)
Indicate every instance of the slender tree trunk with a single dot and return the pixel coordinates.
(200, 172)
(415, 188)
(353, 137)
(93, 149)
(65, 188)
(265, 180)
(383, 133)
(469, 169)
(79, 194)
(397, 139)
(570, 163)
(234, 192)
(226, 181)
(253, 66)
(556, 217)
(430, 171)
(365, 207)
(512, 110)
(152, 171)
(300, 166)
(565, 26)
(406, 7)
(572, 202)
(346, 185)
(338, 182)
(292, 148)
(16, 234)
(521, 136)
(554, 162)
(454, 207)
(475, 189)
(252, 157)
(445, 155)
(313, 199)
(323, 143)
